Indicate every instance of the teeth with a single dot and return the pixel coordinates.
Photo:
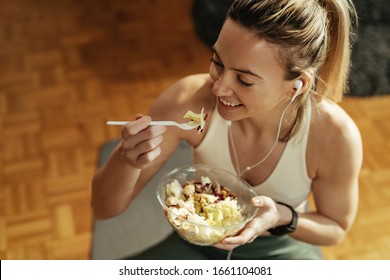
(227, 103)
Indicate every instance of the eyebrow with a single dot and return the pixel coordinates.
(244, 71)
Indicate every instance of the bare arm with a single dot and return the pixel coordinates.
(144, 149)
(335, 188)
(337, 154)
(133, 162)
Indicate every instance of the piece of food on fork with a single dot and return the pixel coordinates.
(198, 120)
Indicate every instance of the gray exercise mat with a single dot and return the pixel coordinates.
(143, 224)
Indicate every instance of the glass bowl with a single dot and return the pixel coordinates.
(198, 231)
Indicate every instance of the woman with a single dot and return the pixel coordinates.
(277, 69)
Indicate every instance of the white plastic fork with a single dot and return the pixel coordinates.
(184, 126)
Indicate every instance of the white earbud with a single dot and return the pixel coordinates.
(298, 85)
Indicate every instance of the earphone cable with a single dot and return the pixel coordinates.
(248, 168)
(229, 255)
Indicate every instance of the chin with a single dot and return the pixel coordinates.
(230, 114)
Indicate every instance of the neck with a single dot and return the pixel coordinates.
(275, 142)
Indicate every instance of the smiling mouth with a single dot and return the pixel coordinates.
(228, 103)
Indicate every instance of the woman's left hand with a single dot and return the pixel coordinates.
(267, 217)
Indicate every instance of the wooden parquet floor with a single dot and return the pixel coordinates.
(66, 67)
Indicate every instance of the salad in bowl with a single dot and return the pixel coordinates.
(205, 204)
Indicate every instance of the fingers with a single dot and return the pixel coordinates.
(134, 127)
(144, 152)
(140, 142)
(229, 243)
(246, 236)
(263, 202)
(138, 116)
(226, 247)
(265, 219)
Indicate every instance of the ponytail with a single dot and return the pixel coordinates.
(333, 75)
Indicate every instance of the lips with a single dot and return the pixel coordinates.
(228, 103)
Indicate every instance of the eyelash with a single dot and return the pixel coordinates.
(244, 83)
(220, 66)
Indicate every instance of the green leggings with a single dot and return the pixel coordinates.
(263, 248)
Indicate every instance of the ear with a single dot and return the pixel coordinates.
(299, 86)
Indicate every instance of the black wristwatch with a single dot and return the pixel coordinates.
(286, 229)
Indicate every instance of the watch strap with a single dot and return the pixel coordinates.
(289, 228)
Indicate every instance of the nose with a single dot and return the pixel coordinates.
(221, 89)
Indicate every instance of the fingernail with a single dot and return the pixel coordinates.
(258, 201)
(138, 116)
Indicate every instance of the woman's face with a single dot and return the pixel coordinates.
(248, 77)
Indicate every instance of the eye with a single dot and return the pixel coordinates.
(216, 63)
(242, 82)
(220, 67)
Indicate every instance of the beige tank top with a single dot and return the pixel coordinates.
(289, 181)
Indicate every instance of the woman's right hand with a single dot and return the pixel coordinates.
(140, 143)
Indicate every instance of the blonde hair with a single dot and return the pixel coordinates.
(314, 37)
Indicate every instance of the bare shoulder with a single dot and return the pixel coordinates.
(334, 138)
(189, 93)
(334, 123)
